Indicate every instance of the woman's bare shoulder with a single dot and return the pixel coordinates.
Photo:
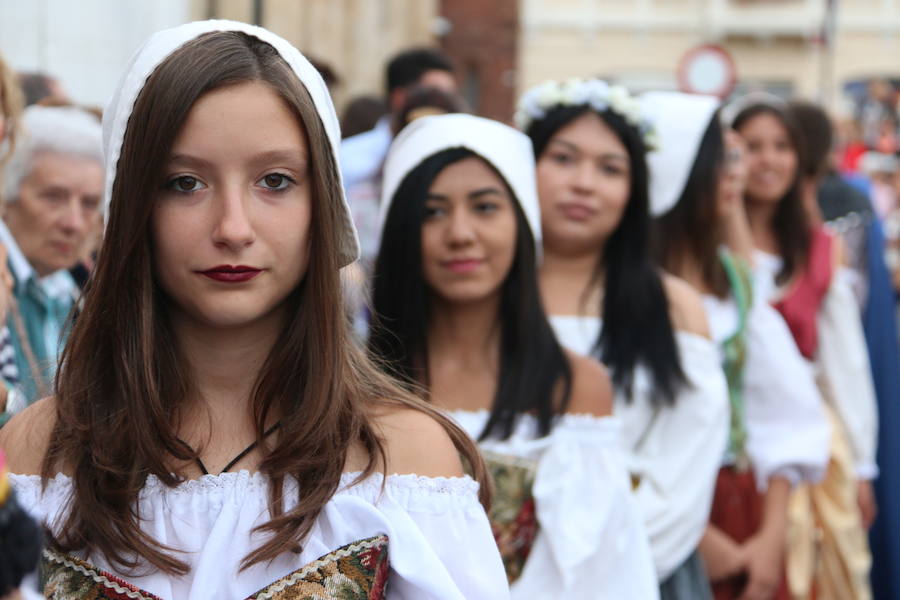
(592, 391)
(686, 306)
(417, 443)
(26, 437)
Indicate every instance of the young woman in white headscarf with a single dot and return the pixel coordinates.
(778, 432)
(606, 298)
(215, 433)
(801, 271)
(457, 311)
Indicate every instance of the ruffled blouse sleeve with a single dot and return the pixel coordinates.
(844, 371)
(444, 548)
(788, 432)
(675, 452)
(591, 542)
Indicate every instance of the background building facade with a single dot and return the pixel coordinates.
(500, 46)
(785, 46)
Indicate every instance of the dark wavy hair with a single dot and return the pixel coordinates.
(815, 126)
(691, 227)
(409, 65)
(790, 223)
(636, 325)
(535, 375)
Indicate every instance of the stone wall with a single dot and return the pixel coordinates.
(482, 38)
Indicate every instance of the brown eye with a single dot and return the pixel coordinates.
(275, 181)
(185, 184)
(562, 159)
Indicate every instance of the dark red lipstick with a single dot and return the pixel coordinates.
(231, 274)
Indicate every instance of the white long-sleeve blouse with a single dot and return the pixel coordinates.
(673, 452)
(841, 364)
(787, 431)
(401, 537)
(564, 516)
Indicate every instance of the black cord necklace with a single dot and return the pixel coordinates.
(237, 458)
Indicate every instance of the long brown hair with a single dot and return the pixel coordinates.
(121, 382)
(791, 222)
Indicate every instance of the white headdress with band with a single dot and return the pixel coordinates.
(507, 150)
(162, 44)
(731, 110)
(680, 120)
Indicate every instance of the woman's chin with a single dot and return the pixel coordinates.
(229, 317)
(765, 197)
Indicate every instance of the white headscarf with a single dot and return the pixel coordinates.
(680, 121)
(506, 149)
(735, 107)
(162, 44)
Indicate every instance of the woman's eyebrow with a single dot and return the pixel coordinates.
(486, 191)
(568, 145)
(605, 156)
(188, 160)
(278, 156)
(281, 156)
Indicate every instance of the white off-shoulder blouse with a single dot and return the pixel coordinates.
(841, 365)
(401, 537)
(563, 514)
(788, 433)
(673, 452)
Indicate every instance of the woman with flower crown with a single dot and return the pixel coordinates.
(606, 298)
(215, 432)
(457, 311)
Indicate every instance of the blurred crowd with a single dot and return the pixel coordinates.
(866, 152)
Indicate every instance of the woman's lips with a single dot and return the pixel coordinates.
(577, 211)
(231, 274)
(466, 265)
(768, 178)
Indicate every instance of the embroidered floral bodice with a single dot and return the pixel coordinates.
(357, 571)
(513, 516)
(417, 538)
(563, 514)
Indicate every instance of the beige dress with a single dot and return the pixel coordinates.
(828, 553)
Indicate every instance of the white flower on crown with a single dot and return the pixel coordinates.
(598, 94)
(549, 94)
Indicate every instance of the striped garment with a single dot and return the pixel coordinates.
(8, 369)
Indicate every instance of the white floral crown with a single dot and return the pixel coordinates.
(535, 103)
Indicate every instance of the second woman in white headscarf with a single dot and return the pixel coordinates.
(457, 311)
